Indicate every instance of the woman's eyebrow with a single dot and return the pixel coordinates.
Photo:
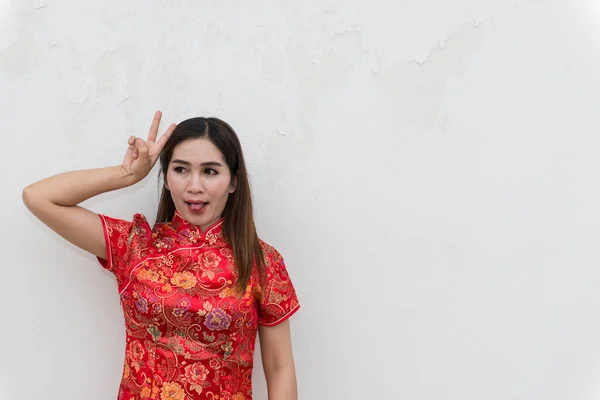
(204, 164)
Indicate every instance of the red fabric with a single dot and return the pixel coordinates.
(189, 335)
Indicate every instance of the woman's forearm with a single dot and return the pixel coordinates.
(71, 188)
(281, 383)
(54, 201)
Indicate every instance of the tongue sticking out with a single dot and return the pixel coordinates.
(196, 206)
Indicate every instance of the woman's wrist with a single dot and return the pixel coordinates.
(126, 178)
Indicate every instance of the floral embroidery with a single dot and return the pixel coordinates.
(217, 320)
(196, 375)
(190, 331)
(184, 280)
(228, 350)
(172, 391)
(210, 260)
(136, 354)
(145, 393)
(183, 305)
(149, 275)
(142, 304)
(155, 332)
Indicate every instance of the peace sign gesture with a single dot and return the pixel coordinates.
(142, 154)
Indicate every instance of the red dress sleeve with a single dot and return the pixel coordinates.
(279, 300)
(125, 243)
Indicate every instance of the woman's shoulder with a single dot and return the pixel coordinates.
(266, 247)
(137, 223)
(270, 253)
(138, 218)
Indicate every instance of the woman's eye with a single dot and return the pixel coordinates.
(211, 171)
(178, 169)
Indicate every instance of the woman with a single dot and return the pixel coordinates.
(198, 286)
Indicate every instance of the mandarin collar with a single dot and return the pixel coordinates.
(188, 233)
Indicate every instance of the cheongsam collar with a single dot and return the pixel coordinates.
(188, 233)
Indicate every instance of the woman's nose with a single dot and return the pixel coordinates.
(196, 184)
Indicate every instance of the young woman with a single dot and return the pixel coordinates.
(198, 286)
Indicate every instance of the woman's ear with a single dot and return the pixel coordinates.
(233, 185)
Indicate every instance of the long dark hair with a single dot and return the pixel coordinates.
(238, 223)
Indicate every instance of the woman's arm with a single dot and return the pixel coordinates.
(54, 200)
(278, 361)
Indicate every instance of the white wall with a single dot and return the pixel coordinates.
(428, 168)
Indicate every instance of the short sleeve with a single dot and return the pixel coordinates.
(279, 301)
(123, 240)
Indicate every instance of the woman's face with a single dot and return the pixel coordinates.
(199, 181)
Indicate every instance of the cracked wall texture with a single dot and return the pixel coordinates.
(427, 168)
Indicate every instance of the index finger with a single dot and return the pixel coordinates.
(165, 136)
(154, 127)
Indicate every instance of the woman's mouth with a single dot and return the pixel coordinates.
(196, 206)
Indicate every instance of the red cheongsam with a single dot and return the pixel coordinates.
(190, 334)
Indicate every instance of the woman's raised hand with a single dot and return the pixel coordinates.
(142, 154)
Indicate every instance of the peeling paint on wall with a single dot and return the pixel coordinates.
(416, 88)
(319, 68)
